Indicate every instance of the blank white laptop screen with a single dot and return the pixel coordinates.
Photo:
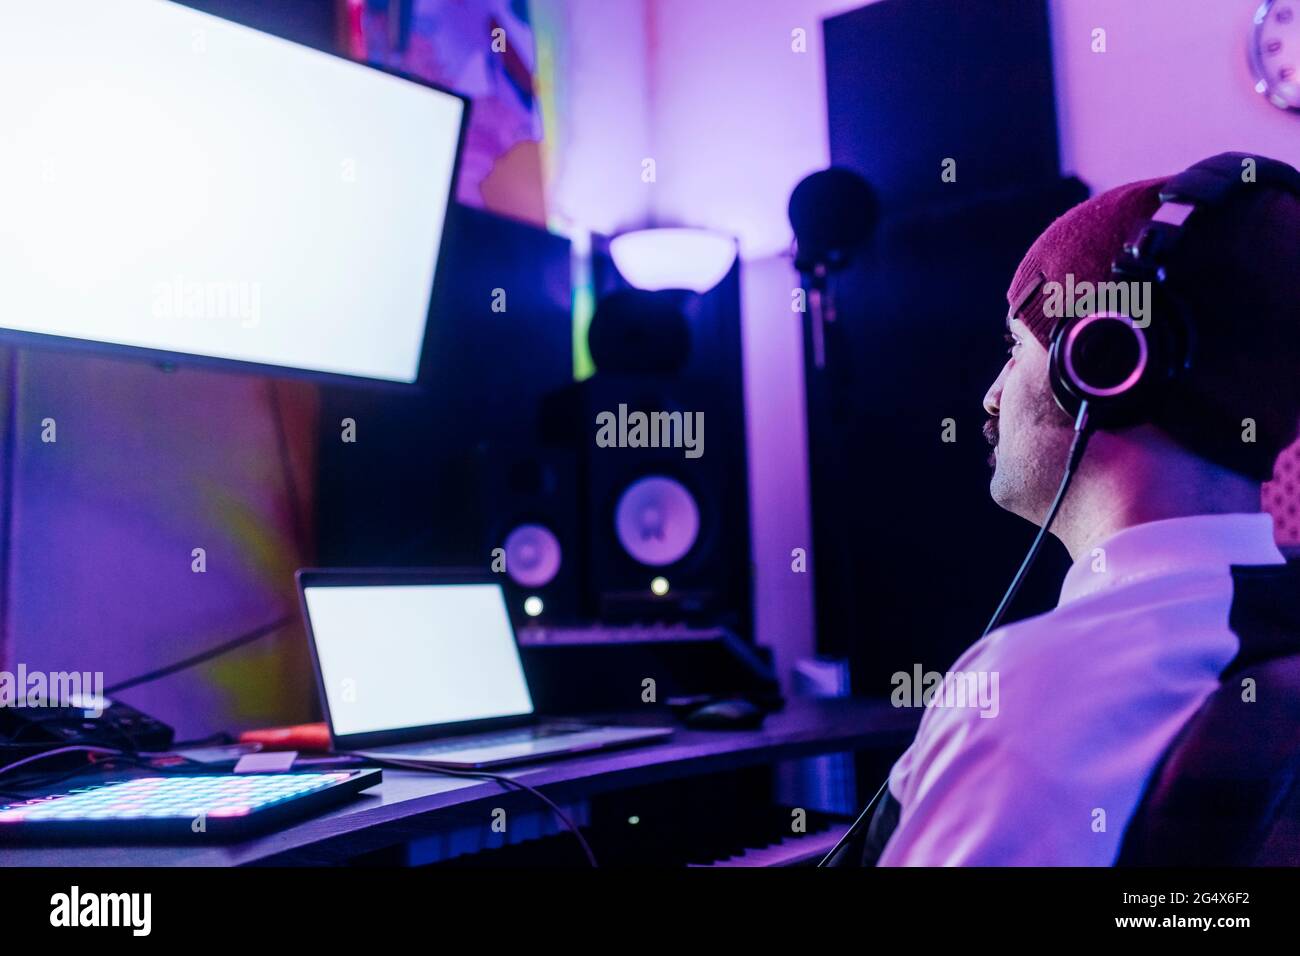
(398, 656)
(176, 182)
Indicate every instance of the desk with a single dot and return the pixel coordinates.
(411, 805)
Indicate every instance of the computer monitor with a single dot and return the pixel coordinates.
(408, 650)
(177, 186)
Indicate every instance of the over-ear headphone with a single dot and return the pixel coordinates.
(1118, 365)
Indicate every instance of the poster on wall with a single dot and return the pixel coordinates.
(485, 50)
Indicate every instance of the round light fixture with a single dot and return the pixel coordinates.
(676, 258)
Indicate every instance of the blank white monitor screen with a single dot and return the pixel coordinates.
(176, 182)
(400, 656)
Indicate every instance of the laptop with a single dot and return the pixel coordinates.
(423, 666)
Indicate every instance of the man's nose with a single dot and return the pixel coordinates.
(993, 397)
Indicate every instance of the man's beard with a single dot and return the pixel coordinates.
(991, 436)
(1027, 470)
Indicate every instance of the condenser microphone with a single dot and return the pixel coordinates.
(832, 212)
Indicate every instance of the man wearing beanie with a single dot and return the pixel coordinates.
(1160, 520)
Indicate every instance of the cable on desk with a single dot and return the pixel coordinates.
(24, 784)
(203, 656)
(54, 753)
(41, 780)
(508, 782)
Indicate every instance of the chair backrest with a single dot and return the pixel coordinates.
(1227, 790)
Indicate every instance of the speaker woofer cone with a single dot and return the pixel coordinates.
(657, 521)
(533, 555)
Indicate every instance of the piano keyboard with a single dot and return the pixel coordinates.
(802, 850)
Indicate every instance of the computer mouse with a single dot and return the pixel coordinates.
(733, 714)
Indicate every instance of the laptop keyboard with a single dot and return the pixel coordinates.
(500, 738)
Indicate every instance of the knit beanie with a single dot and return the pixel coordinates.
(1236, 280)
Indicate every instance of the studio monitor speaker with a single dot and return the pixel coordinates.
(662, 498)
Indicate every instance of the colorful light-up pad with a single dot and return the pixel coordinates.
(176, 803)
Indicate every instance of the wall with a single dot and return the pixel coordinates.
(1173, 86)
(145, 467)
(593, 83)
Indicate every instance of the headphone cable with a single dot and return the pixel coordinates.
(1077, 446)
(1080, 441)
